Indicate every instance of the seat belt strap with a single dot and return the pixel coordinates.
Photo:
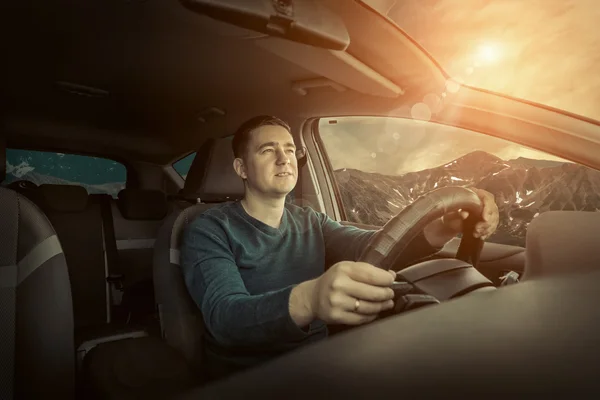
(114, 274)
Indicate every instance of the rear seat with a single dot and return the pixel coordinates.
(144, 367)
(137, 216)
(83, 224)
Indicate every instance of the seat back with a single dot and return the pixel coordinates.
(78, 223)
(138, 214)
(37, 354)
(180, 318)
(562, 242)
(212, 177)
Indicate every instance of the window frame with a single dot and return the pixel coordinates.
(318, 176)
(328, 167)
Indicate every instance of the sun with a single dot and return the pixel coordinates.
(488, 53)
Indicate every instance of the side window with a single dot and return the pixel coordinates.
(382, 164)
(183, 166)
(97, 175)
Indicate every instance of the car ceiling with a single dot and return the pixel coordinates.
(160, 66)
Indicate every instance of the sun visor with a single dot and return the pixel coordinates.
(304, 21)
(336, 66)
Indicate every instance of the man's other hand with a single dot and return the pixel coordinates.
(440, 231)
(349, 293)
(489, 218)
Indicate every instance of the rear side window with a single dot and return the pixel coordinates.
(183, 166)
(97, 175)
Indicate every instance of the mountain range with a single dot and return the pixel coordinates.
(523, 189)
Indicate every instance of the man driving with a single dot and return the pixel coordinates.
(256, 267)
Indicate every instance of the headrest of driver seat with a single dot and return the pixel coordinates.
(212, 175)
(2, 158)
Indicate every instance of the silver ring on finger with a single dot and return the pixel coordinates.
(356, 305)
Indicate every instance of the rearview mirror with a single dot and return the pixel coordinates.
(303, 21)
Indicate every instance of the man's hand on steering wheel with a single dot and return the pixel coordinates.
(349, 293)
(441, 231)
(353, 293)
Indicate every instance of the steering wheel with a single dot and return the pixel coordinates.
(434, 280)
(387, 246)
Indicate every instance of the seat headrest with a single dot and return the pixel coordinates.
(142, 204)
(211, 175)
(2, 159)
(64, 198)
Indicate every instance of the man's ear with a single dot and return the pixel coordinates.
(240, 168)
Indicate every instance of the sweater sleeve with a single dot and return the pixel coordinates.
(346, 243)
(231, 315)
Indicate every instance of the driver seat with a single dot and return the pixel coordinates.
(211, 180)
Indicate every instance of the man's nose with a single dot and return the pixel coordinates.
(282, 158)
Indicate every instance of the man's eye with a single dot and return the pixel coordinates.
(291, 151)
(267, 151)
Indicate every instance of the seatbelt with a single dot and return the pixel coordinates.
(114, 272)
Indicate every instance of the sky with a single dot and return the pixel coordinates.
(546, 51)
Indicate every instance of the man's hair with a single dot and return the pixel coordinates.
(242, 135)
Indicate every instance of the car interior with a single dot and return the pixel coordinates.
(94, 305)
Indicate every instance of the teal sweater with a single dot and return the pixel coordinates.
(240, 273)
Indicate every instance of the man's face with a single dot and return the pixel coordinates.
(270, 166)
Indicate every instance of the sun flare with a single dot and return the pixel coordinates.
(488, 53)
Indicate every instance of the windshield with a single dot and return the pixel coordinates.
(545, 51)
